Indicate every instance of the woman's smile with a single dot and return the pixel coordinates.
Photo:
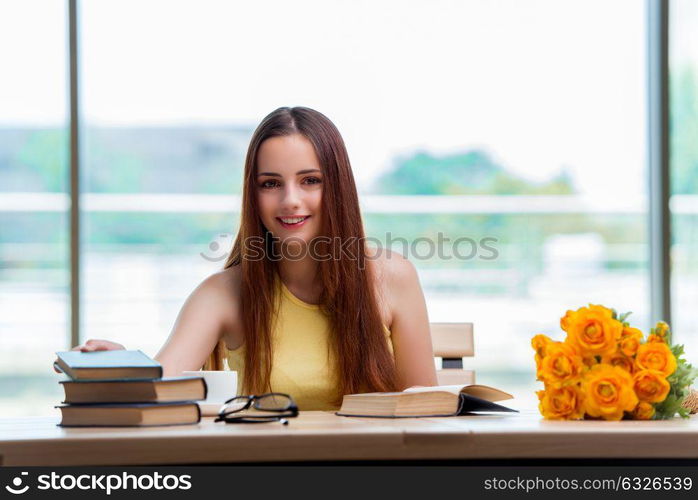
(293, 222)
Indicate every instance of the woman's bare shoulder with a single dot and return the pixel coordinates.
(228, 279)
(222, 291)
(391, 271)
(389, 266)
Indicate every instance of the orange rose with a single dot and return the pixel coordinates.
(562, 365)
(620, 360)
(630, 340)
(566, 320)
(656, 356)
(594, 331)
(643, 411)
(655, 338)
(608, 392)
(650, 386)
(564, 403)
(629, 331)
(539, 343)
(661, 329)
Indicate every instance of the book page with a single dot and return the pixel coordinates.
(479, 391)
(453, 389)
(485, 392)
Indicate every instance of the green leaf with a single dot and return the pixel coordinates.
(624, 316)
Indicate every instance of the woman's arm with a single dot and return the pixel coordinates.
(414, 358)
(199, 326)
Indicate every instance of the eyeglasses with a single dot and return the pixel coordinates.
(279, 405)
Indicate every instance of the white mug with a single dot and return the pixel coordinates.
(222, 385)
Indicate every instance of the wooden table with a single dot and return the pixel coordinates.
(323, 436)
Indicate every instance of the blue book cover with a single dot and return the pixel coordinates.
(108, 365)
(107, 359)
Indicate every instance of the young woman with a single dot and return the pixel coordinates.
(302, 305)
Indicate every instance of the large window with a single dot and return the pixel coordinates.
(513, 132)
(34, 227)
(522, 127)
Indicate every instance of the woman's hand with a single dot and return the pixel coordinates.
(95, 345)
(98, 345)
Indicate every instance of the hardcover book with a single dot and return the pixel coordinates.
(107, 365)
(129, 415)
(134, 391)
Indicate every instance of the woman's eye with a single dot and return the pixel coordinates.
(312, 180)
(269, 184)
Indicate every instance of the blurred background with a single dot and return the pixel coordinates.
(521, 121)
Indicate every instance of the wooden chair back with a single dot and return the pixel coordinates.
(452, 342)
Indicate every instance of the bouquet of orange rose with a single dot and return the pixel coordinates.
(606, 369)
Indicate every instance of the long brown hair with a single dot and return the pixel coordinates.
(349, 298)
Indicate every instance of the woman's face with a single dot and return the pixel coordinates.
(289, 188)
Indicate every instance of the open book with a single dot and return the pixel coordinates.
(437, 401)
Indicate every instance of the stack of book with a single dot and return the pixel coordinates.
(125, 388)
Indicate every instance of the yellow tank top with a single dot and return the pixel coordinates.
(303, 364)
